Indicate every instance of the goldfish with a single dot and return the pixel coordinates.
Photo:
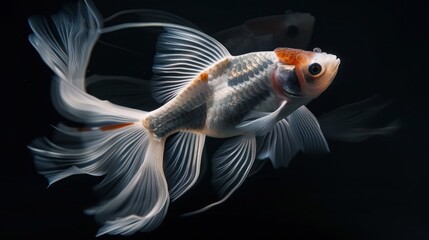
(353, 122)
(292, 29)
(255, 102)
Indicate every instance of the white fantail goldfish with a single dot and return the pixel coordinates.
(149, 158)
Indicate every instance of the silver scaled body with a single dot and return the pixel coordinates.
(214, 106)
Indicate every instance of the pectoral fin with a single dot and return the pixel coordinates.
(260, 123)
(306, 129)
(300, 131)
(280, 145)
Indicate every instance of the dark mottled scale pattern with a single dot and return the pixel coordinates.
(186, 111)
(237, 87)
(249, 77)
(245, 67)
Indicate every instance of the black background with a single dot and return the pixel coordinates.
(377, 189)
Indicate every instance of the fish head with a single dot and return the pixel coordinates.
(304, 74)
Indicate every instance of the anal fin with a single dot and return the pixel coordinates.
(182, 161)
(231, 164)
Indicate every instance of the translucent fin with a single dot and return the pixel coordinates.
(257, 166)
(148, 15)
(77, 105)
(72, 151)
(300, 131)
(355, 122)
(134, 188)
(111, 143)
(280, 145)
(183, 161)
(260, 123)
(307, 129)
(128, 91)
(142, 204)
(66, 45)
(182, 55)
(231, 164)
(66, 50)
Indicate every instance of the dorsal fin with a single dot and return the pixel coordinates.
(182, 54)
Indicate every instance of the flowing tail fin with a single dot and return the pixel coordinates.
(112, 141)
(134, 189)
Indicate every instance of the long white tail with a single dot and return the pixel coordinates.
(111, 142)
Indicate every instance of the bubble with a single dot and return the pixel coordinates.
(317, 50)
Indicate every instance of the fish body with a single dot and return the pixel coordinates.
(149, 158)
(218, 98)
(222, 95)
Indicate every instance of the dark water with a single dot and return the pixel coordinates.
(377, 189)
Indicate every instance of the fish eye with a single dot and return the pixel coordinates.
(292, 31)
(314, 69)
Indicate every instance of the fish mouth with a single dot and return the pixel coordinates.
(337, 61)
(334, 69)
(335, 64)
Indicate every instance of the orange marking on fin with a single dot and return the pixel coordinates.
(115, 126)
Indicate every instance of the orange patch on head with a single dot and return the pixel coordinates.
(291, 56)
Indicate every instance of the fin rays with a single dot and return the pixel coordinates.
(231, 164)
(183, 161)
